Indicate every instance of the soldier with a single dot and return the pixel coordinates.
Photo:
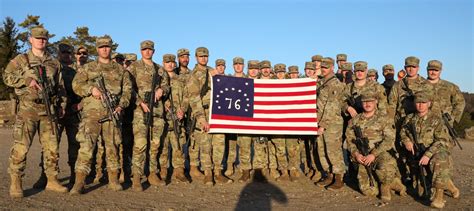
(372, 75)
(175, 105)
(388, 74)
(316, 59)
(183, 60)
(310, 70)
(220, 67)
(376, 138)
(96, 120)
(81, 55)
(143, 73)
(119, 58)
(24, 73)
(352, 91)
(343, 75)
(233, 139)
(130, 58)
(199, 99)
(277, 144)
(431, 134)
(70, 121)
(450, 99)
(330, 102)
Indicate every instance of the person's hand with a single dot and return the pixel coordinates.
(409, 147)
(180, 114)
(34, 84)
(424, 160)
(205, 125)
(76, 107)
(96, 93)
(359, 158)
(158, 94)
(369, 159)
(144, 107)
(351, 111)
(321, 131)
(118, 110)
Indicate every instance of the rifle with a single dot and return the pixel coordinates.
(150, 101)
(46, 95)
(111, 103)
(419, 151)
(410, 95)
(362, 144)
(174, 118)
(452, 132)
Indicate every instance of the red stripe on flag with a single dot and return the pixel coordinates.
(285, 85)
(284, 111)
(280, 94)
(247, 127)
(250, 119)
(290, 102)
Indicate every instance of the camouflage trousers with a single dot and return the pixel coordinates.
(385, 168)
(141, 141)
(277, 153)
(333, 149)
(231, 143)
(171, 143)
(294, 153)
(90, 130)
(212, 147)
(321, 152)
(193, 150)
(23, 134)
(260, 153)
(245, 147)
(440, 169)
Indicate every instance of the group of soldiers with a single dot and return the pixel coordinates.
(152, 120)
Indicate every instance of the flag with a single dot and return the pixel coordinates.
(261, 106)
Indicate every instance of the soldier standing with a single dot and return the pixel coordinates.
(143, 73)
(316, 59)
(97, 121)
(199, 98)
(430, 139)
(81, 55)
(25, 73)
(388, 74)
(372, 75)
(372, 132)
(330, 102)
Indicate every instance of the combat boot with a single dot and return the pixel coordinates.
(285, 177)
(385, 194)
(154, 180)
(438, 201)
(53, 185)
(178, 174)
(208, 177)
(122, 176)
(220, 178)
(316, 176)
(137, 183)
(399, 187)
(337, 184)
(310, 173)
(16, 191)
(195, 173)
(98, 175)
(41, 182)
(78, 184)
(230, 170)
(325, 181)
(274, 173)
(453, 189)
(164, 173)
(113, 181)
(245, 176)
(294, 175)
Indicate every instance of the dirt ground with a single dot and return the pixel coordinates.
(301, 195)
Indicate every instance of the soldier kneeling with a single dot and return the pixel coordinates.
(427, 140)
(370, 136)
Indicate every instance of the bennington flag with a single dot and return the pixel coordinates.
(259, 106)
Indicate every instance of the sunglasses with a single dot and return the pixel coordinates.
(82, 53)
(65, 52)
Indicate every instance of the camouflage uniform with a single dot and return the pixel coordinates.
(143, 78)
(329, 104)
(379, 131)
(118, 83)
(31, 117)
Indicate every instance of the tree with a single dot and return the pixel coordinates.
(30, 22)
(82, 37)
(9, 48)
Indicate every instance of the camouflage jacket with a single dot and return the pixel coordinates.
(448, 99)
(68, 74)
(197, 80)
(352, 90)
(142, 76)
(378, 129)
(21, 70)
(117, 82)
(430, 130)
(179, 94)
(400, 103)
(330, 102)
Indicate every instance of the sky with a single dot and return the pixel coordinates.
(282, 31)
